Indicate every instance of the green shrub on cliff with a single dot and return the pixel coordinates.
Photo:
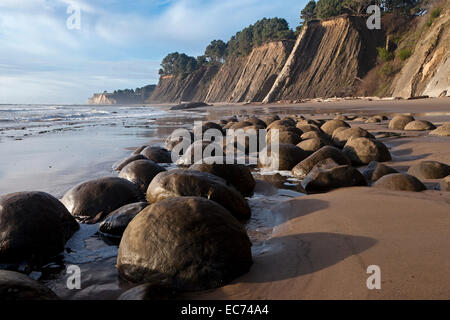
(404, 53)
(309, 12)
(215, 52)
(384, 54)
(178, 64)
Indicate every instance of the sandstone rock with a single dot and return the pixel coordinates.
(399, 122)
(287, 157)
(176, 138)
(117, 221)
(97, 198)
(238, 175)
(331, 125)
(189, 105)
(269, 119)
(281, 124)
(188, 158)
(15, 286)
(340, 138)
(400, 182)
(311, 145)
(429, 170)
(445, 184)
(419, 125)
(122, 163)
(365, 150)
(33, 225)
(138, 150)
(443, 131)
(181, 183)
(373, 120)
(141, 172)
(323, 179)
(257, 122)
(308, 127)
(285, 137)
(157, 154)
(375, 170)
(305, 166)
(190, 243)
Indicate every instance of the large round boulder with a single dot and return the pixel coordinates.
(238, 175)
(190, 243)
(181, 183)
(331, 125)
(177, 137)
(33, 225)
(443, 131)
(365, 150)
(15, 286)
(375, 170)
(340, 138)
(445, 184)
(304, 167)
(285, 136)
(97, 198)
(400, 182)
(281, 124)
(157, 154)
(122, 163)
(323, 179)
(419, 125)
(269, 119)
(287, 156)
(199, 146)
(117, 221)
(399, 122)
(429, 170)
(141, 173)
(311, 145)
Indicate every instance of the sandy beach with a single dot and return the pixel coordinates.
(304, 246)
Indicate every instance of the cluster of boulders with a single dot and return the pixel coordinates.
(409, 123)
(183, 228)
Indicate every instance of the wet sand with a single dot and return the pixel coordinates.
(304, 247)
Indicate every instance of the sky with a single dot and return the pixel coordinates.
(47, 57)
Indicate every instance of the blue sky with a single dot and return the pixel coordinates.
(119, 44)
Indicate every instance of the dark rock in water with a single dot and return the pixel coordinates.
(305, 166)
(238, 175)
(286, 158)
(33, 225)
(95, 199)
(181, 183)
(149, 292)
(340, 138)
(121, 164)
(15, 286)
(141, 172)
(365, 150)
(399, 122)
(139, 149)
(117, 221)
(400, 182)
(419, 125)
(375, 170)
(189, 105)
(157, 154)
(429, 170)
(331, 125)
(326, 177)
(445, 184)
(188, 242)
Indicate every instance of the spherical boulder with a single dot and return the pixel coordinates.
(285, 136)
(400, 182)
(97, 198)
(375, 170)
(443, 131)
(117, 221)
(199, 146)
(122, 163)
(281, 124)
(177, 137)
(190, 243)
(331, 125)
(399, 122)
(304, 167)
(238, 175)
(429, 170)
(311, 145)
(138, 150)
(419, 125)
(157, 154)
(141, 172)
(323, 179)
(285, 158)
(15, 286)
(365, 150)
(269, 119)
(181, 183)
(445, 184)
(340, 138)
(33, 225)
(308, 127)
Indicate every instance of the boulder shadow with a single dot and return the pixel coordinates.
(302, 254)
(296, 208)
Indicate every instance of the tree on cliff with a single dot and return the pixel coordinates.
(215, 52)
(309, 12)
(329, 8)
(178, 64)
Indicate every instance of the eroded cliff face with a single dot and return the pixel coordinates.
(102, 98)
(328, 59)
(427, 71)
